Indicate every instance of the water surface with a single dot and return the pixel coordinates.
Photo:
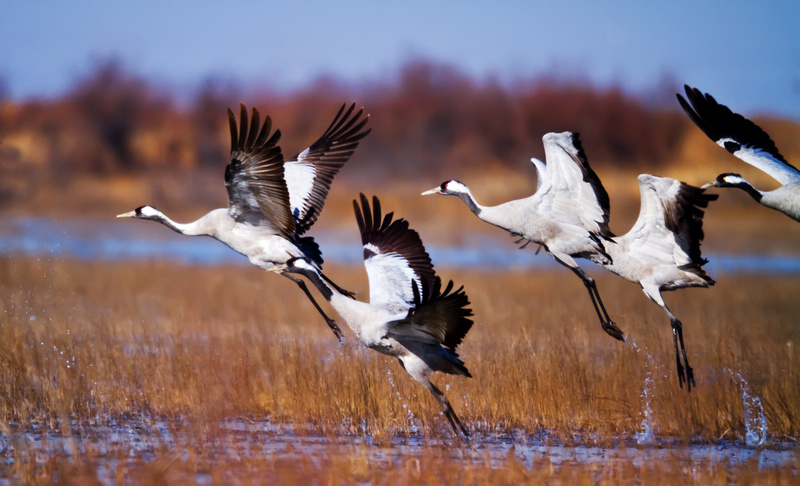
(119, 240)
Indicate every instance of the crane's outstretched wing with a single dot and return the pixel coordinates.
(570, 191)
(393, 256)
(254, 178)
(309, 174)
(738, 135)
(670, 224)
(438, 317)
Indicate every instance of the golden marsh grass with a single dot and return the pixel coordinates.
(88, 345)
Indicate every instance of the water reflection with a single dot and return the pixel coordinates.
(113, 241)
(233, 441)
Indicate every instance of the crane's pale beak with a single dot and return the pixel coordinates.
(131, 214)
(435, 190)
(710, 184)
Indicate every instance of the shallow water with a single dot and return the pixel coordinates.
(122, 240)
(109, 448)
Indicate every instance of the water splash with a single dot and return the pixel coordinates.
(646, 436)
(413, 424)
(755, 422)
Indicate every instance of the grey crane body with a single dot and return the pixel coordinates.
(520, 217)
(408, 316)
(662, 250)
(748, 142)
(259, 244)
(272, 202)
(567, 215)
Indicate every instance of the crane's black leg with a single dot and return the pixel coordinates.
(605, 320)
(447, 409)
(330, 322)
(687, 374)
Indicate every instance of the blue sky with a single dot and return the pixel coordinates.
(747, 54)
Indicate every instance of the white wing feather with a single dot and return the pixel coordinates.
(761, 159)
(564, 194)
(650, 239)
(299, 178)
(390, 277)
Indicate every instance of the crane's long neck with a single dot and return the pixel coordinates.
(326, 290)
(499, 215)
(749, 189)
(341, 302)
(470, 201)
(369, 322)
(201, 227)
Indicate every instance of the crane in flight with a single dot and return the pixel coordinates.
(272, 202)
(747, 141)
(567, 215)
(408, 315)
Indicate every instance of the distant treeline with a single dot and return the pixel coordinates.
(428, 117)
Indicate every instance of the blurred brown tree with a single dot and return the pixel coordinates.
(428, 118)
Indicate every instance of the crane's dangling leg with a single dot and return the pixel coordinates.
(330, 322)
(605, 320)
(446, 408)
(677, 336)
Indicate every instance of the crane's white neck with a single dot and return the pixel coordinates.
(466, 195)
(205, 226)
(189, 229)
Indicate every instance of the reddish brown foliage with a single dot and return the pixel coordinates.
(430, 119)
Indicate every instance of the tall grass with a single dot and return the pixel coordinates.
(88, 343)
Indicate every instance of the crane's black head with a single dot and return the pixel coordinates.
(451, 187)
(143, 212)
(728, 179)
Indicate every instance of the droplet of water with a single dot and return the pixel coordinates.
(755, 422)
(646, 435)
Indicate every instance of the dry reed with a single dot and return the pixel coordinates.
(90, 345)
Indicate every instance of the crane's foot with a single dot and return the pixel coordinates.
(465, 437)
(687, 376)
(612, 330)
(336, 331)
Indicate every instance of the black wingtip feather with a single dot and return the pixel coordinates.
(242, 125)
(590, 176)
(234, 129)
(393, 237)
(718, 121)
(685, 218)
(450, 308)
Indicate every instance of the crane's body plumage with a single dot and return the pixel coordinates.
(747, 141)
(408, 316)
(661, 252)
(657, 252)
(567, 215)
(272, 202)
(259, 244)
